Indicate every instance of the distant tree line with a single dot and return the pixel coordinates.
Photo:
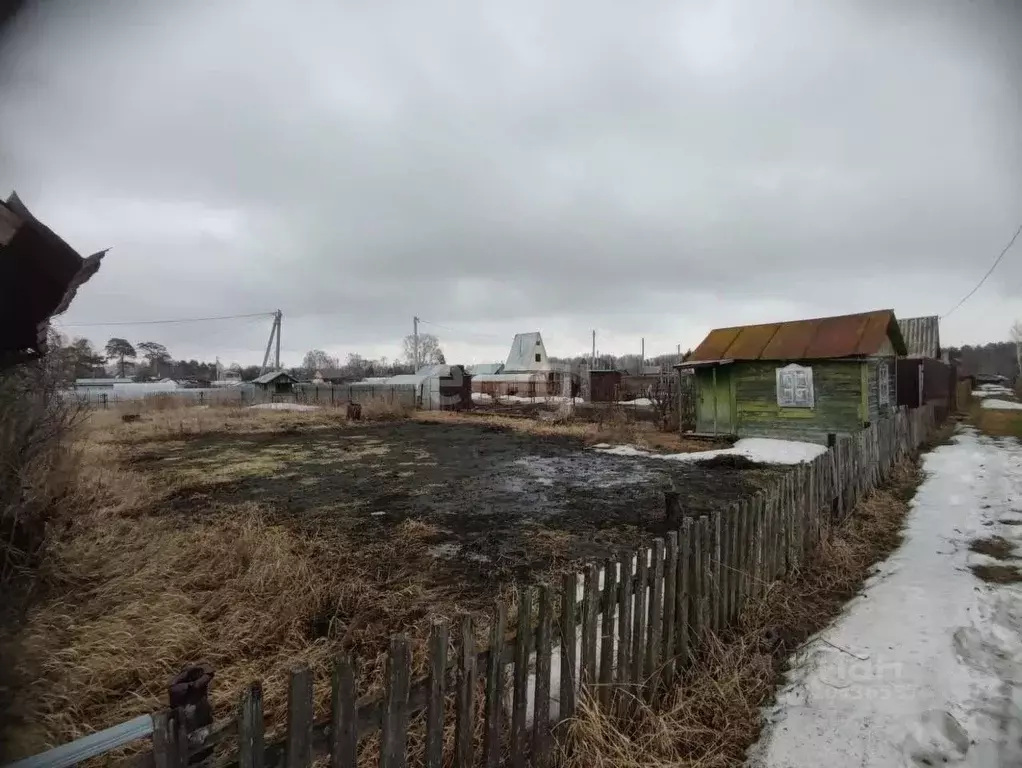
(999, 357)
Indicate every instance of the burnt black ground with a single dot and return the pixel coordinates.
(501, 504)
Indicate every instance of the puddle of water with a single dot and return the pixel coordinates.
(587, 469)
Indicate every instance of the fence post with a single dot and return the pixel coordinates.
(656, 617)
(394, 727)
(494, 686)
(344, 716)
(523, 649)
(569, 647)
(299, 719)
(836, 464)
(670, 606)
(250, 728)
(590, 609)
(103, 399)
(465, 698)
(681, 611)
(189, 692)
(639, 615)
(607, 632)
(541, 718)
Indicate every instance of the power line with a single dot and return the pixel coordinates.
(989, 272)
(167, 322)
(464, 333)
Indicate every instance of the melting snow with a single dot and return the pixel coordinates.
(760, 449)
(1002, 405)
(285, 407)
(925, 666)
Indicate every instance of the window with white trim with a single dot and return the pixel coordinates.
(795, 386)
(883, 384)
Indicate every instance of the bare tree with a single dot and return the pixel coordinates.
(430, 352)
(663, 395)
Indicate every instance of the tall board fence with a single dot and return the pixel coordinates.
(631, 624)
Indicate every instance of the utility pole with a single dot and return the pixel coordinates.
(274, 334)
(415, 335)
(280, 316)
(642, 357)
(592, 360)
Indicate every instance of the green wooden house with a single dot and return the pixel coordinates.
(798, 380)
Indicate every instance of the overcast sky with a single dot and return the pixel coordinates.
(645, 169)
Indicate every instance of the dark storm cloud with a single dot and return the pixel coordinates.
(654, 168)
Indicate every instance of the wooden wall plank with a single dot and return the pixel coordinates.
(569, 645)
(541, 738)
(523, 651)
(344, 715)
(590, 609)
(439, 639)
(656, 619)
(394, 728)
(465, 692)
(299, 719)
(640, 617)
(250, 728)
(670, 644)
(495, 686)
(608, 610)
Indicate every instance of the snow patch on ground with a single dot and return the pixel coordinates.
(482, 397)
(759, 449)
(285, 407)
(992, 391)
(925, 666)
(1002, 405)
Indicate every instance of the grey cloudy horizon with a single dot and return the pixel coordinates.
(648, 170)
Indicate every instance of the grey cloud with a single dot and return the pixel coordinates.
(492, 164)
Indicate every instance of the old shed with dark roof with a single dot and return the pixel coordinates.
(800, 379)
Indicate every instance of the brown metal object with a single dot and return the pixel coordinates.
(354, 412)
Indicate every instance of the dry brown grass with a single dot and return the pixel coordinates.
(997, 573)
(619, 430)
(133, 594)
(996, 547)
(996, 423)
(712, 717)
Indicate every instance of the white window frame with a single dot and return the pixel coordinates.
(795, 387)
(883, 383)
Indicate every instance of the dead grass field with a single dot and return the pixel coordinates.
(256, 539)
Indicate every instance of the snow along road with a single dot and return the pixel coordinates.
(924, 668)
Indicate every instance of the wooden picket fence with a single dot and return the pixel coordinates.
(632, 624)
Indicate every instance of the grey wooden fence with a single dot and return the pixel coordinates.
(628, 624)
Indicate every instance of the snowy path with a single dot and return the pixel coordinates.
(928, 665)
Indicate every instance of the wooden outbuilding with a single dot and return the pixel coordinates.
(799, 380)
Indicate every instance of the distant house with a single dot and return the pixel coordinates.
(527, 354)
(527, 372)
(276, 382)
(800, 379)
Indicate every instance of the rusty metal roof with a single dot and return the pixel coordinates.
(922, 336)
(856, 335)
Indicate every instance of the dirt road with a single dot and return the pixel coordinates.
(925, 666)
